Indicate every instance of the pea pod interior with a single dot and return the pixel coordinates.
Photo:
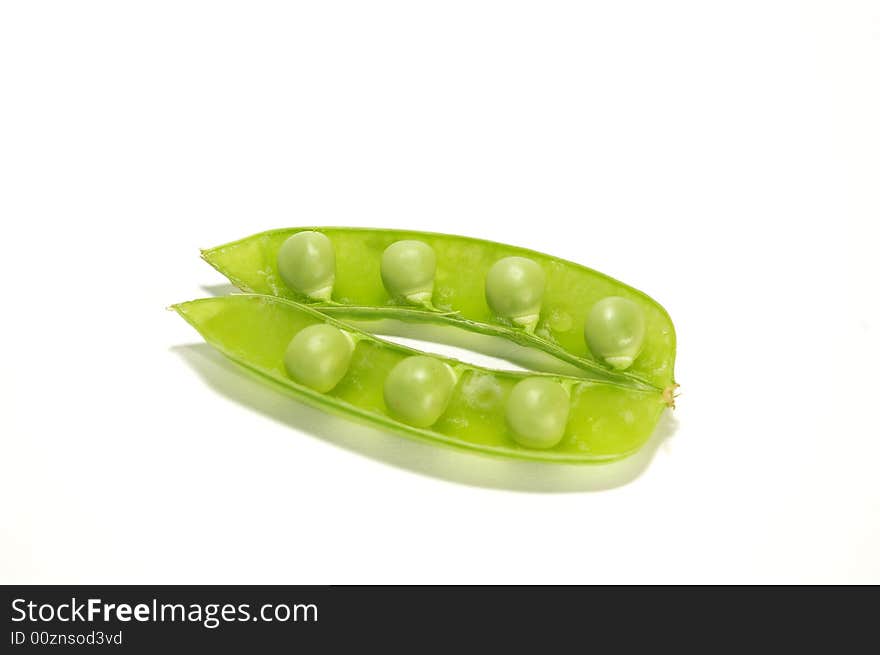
(459, 297)
(605, 421)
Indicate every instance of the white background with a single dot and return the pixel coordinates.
(723, 157)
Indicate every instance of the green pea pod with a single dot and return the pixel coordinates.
(436, 399)
(573, 319)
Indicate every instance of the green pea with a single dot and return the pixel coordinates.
(537, 411)
(614, 331)
(514, 290)
(319, 356)
(307, 264)
(408, 270)
(418, 389)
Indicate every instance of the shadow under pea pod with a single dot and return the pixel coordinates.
(233, 382)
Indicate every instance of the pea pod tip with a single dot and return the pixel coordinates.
(670, 394)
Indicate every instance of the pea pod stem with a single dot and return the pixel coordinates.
(669, 395)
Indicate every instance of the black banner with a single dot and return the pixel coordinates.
(324, 619)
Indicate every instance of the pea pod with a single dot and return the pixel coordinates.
(343, 370)
(595, 326)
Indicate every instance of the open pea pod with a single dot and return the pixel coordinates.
(340, 369)
(540, 311)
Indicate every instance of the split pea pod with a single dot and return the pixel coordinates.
(330, 364)
(596, 326)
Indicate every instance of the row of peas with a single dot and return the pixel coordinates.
(614, 328)
(418, 389)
